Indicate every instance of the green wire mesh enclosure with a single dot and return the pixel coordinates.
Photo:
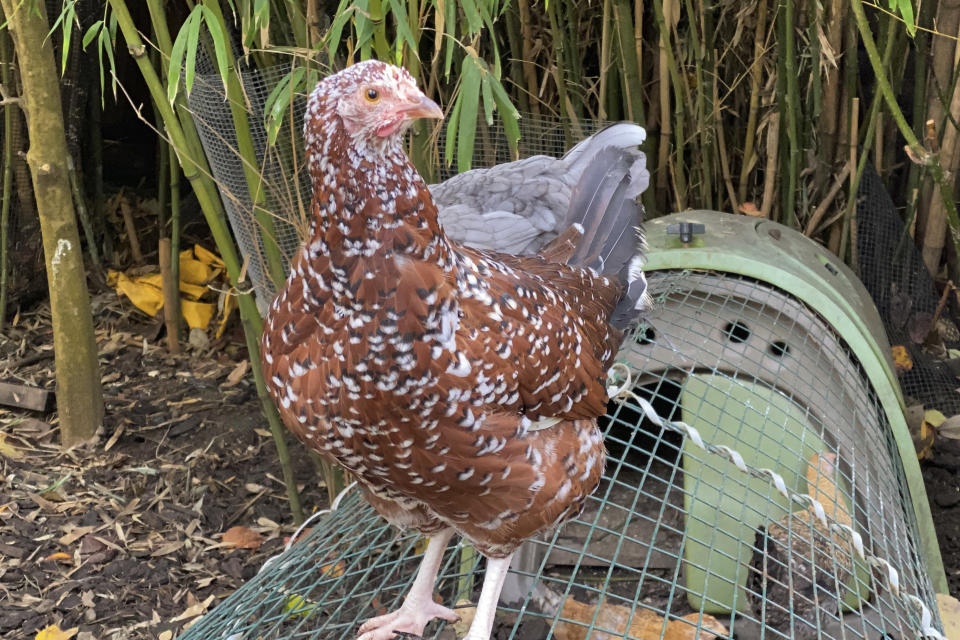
(762, 347)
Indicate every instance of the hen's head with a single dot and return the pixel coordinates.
(373, 101)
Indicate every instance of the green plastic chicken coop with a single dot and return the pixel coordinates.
(766, 349)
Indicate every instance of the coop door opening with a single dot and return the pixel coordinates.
(725, 508)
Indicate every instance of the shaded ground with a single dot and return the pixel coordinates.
(126, 541)
(122, 540)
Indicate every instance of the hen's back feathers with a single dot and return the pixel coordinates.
(519, 207)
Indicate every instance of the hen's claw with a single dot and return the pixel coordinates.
(405, 620)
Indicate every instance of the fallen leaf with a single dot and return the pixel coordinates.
(467, 613)
(242, 538)
(73, 535)
(298, 607)
(165, 635)
(950, 428)
(239, 371)
(750, 209)
(53, 632)
(949, 615)
(59, 556)
(194, 610)
(934, 417)
(901, 359)
(8, 449)
(334, 569)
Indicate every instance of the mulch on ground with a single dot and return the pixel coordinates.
(126, 540)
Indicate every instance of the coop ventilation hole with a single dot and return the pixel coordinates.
(737, 332)
(646, 335)
(778, 348)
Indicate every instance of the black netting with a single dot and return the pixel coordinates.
(893, 272)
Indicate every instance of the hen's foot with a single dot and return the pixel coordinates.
(407, 619)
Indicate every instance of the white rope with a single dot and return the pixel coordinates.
(624, 391)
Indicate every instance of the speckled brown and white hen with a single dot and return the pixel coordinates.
(460, 386)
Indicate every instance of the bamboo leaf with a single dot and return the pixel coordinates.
(65, 20)
(363, 25)
(905, 9)
(467, 127)
(452, 123)
(190, 56)
(91, 33)
(509, 115)
(176, 56)
(450, 18)
(332, 39)
(278, 102)
(220, 45)
(487, 93)
(472, 13)
(403, 28)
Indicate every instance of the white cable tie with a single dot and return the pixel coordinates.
(819, 512)
(777, 480)
(734, 457)
(926, 619)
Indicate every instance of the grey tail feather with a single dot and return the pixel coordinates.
(619, 134)
(604, 202)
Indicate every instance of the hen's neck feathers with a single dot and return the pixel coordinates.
(369, 202)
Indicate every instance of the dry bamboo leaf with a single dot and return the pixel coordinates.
(611, 622)
(237, 374)
(74, 534)
(242, 538)
(194, 610)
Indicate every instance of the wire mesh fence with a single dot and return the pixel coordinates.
(672, 530)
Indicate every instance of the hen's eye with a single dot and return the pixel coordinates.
(371, 95)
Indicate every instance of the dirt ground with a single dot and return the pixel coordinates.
(126, 541)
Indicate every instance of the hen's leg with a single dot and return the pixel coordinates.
(418, 607)
(489, 597)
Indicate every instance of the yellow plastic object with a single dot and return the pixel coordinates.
(197, 268)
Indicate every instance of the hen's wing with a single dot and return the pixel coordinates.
(518, 207)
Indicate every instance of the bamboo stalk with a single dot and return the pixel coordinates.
(792, 111)
(770, 172)
(6, 61)
(171, 291)
(605, 64)
(629, 71)
(529, 70)
(852, 193)
(174, 303)
(569, 122)
(196, 170)
(681, 97)
(756, 75)
(135, 253)
(829, 116)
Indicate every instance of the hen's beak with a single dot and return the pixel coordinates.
(420, 107)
